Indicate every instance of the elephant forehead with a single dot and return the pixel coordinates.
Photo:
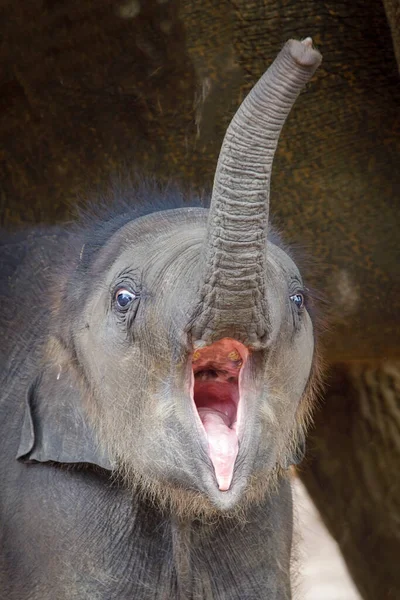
(169, 240)
(153, 227)
(171, 254)
(175, 254)
(281, 264)
(148, 241)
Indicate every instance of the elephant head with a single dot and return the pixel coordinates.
(184, 334)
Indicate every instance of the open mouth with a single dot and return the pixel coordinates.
(216, 394)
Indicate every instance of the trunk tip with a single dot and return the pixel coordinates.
(307, 42)
(303, 53)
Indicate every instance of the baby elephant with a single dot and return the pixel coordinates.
(157, 373)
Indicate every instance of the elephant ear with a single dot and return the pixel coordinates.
(55, 427)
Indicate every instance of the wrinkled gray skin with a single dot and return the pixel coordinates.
(113, 494)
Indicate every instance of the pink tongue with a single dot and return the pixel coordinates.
(223, 445)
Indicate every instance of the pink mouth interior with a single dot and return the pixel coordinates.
(216, 370)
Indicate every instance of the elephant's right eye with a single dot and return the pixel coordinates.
(124, 298)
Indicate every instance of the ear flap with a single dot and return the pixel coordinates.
(55, 427)
(297, 456)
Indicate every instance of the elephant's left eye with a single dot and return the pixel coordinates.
(124, 298)
(298, 300)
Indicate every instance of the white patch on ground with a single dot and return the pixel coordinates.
(321, 571)
(129, 10)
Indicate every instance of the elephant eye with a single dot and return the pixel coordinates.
(298, 300)
(124, 298)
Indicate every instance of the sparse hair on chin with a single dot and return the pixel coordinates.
(187, 505)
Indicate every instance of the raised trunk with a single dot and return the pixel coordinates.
(232, 297)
